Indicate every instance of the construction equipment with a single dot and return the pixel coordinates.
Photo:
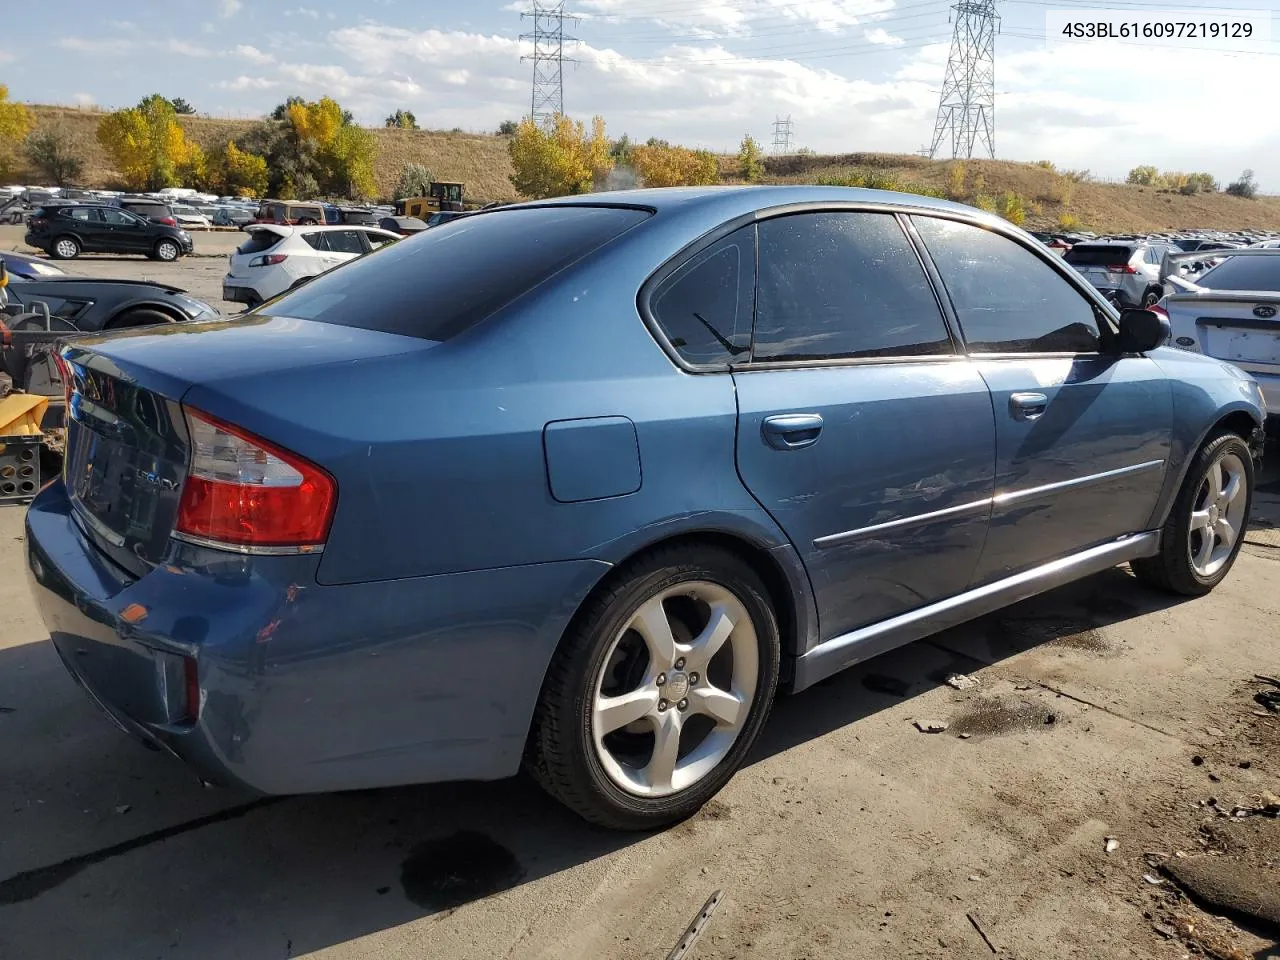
(443, 195)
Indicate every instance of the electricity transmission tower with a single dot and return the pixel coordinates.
(782, 134)
(967, 106)
(548, 58)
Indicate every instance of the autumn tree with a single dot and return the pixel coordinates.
(662, 165)
(1144, 176)
(750, 159)
(403, 120)
(239, 173)
(414, 181)
(53, 151)
(313, 148)
(149, 148)
(560, 161)
(16, 121)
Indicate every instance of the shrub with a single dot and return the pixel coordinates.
(660, 165)
(508, 128)
(1144, 176)
(750, 159)
(402, 119)
(1045, 165)
(239, 173)
(560, 161)
(414, 181)
(1246, 186)
(1012, 208)
(957, 172)
(979, 184)
(52, 150)
(1069, 221)
(1078, 176)
(985, 201)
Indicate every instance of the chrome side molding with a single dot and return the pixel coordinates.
(834, 655)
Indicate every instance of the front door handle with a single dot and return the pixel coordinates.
(792, 431)
(1027, 406)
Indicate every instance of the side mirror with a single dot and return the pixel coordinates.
(1141, 330)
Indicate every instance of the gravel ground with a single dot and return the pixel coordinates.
(1102, 710)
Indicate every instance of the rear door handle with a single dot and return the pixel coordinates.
(792, 431)
(1027, 406)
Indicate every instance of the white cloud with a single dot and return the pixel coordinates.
(882, 36)
(208, 27)
(253, 54)
(242, 83)
(97, 45)
(303, 12)
(229, 8)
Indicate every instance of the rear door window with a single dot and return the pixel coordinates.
(839, 285)
(489, 260)
(345, 241)
(84, 214)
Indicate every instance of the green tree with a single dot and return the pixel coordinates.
(1246, 186)
(508, 128)
(313, 148)
(148, 146)
(181, 107)
(403, 120)
(414, 181)
(16, 121)
(620, 150)
(1144, 176)
(750, 159)
(563, 160)
(53, 151)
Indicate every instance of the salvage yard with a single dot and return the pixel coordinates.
(1101, 711)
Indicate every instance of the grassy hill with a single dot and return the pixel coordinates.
(482, 163)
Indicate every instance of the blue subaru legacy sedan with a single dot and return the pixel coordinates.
(582, 484)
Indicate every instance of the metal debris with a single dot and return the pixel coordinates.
(931, 726)
(1152, 879)
(694, 930)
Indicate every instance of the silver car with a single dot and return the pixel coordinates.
(1125, 272)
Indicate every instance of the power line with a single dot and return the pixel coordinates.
(967, 104)
(548, 16)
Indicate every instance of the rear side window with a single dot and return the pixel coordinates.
(345, 241)
(1007, 299)
(1098, 255)
(705, 305)
(148, 209)
(843, 286)
(259, 241)
(1243, 273)
(483, 262)
(317, 241)
(86, 214)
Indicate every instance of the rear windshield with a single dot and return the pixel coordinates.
(1243, 273)
(1098, 255)
(147, 209)
(259, 240)
(442, 281)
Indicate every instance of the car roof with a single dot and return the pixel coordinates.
(747, 198)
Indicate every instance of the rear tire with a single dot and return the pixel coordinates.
(65, 248)
(139, 318)
(1194, 556)
(167, 251)
(1150, 298)
(718, 615)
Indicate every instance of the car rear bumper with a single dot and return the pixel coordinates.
(302, 687)
(236, 293)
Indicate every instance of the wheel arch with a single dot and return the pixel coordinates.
(119, 313)
(1238, 418)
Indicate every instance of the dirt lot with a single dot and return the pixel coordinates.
(1102, 710)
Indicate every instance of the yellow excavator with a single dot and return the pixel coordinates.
(444, 196)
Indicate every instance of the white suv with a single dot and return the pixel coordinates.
(1124, 271)
(278, 258)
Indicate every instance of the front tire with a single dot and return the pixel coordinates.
(167, 251)
(65, 248)
(658, 690)
(1207, 523)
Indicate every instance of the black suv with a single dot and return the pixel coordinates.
(64, 231)
(148, 207)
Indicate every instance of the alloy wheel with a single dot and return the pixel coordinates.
(1218, 515)
(66, 249)
(167, 251)
(675, 689)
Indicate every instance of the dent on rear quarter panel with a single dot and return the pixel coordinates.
(1203, 393)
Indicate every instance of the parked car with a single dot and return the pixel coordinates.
(587, 502)
(404, 226)
(351, 216)
(229, 216)
(190, 217)
(443, 216)
(1126, 272)
(20, 265)
(1231, 311)
(64, 231)
(93, 305)
(288, 213)
(155, 210)
(275, 259)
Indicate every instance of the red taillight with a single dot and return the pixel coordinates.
(169, 221)
(245, 493)
(1123, 268)
(268, 260)
(68, 380)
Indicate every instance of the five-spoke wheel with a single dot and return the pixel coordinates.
(658, 689)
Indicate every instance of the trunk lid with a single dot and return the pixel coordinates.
(1241, 327)
(127, 444)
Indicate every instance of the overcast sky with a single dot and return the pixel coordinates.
(853, 74)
